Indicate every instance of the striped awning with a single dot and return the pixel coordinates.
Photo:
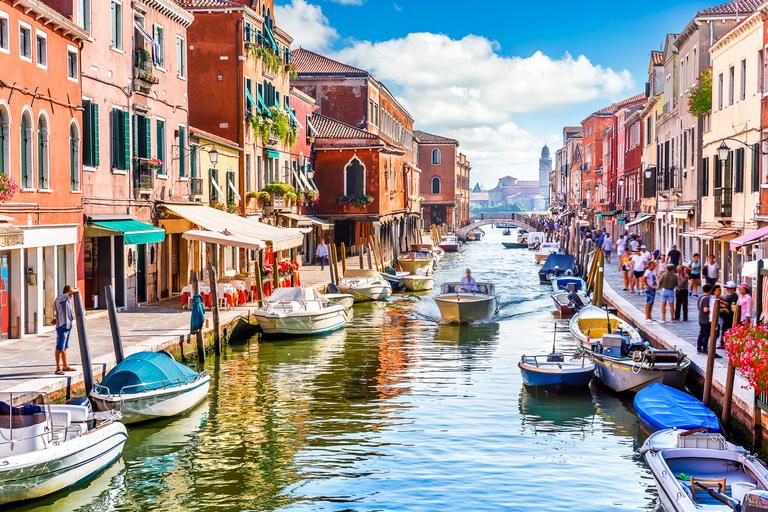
(711, 234)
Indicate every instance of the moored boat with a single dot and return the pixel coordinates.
(545, 249)
(345, 299)
(556, 265)
(553, 371)
(560, 284)
(300, 311)
(535, 239)
(47, 448)
(449, 243)
(569, 302)
(411, 260)
(418, 282)
(461, 306)
(437, 255)
(149, 385)
(661, 407)
(364, 285)
(513, 245)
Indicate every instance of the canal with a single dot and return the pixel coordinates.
(394, 413)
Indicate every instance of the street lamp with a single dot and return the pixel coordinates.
(723, 151)
(311, 174)
(648, 173)
(214, 156)
(621, 182)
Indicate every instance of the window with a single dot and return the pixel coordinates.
(682, 76)
(27, 136)
(354, 178)
(25, 42)
(685, 149)
(41, 48)
(755, 167)
(739, 170)
(743, 83)
(90, 133)
(648, 131)
(376, 113)
(759, 71)
(248, 32)
(43, 174)
(160, 136)
(436, 185)
(120, 141)
(83, 15)
(158, 34)
(116, 18)
(705, 177)
(720, 92)
(213, 178)
(5, 140)
(230, 190)
(74, 158)
(248, 187)
(436, 156)
(72, 69)
(182, 151)
(181, 58)
(694, 69)
(247, 97)
(731, 85)
(5, 45)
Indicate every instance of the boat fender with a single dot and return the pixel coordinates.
(166, 353)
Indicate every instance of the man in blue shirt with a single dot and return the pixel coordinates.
(468, 283)
(63, 319)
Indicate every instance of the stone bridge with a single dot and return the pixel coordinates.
(483, 219)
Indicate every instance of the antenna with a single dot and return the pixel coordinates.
(554, 337)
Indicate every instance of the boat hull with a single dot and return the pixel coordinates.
(621, 376)
(162, 403)
(560, 381)
(541, 257)
(368, 292)
(344, 299)
(467, 308)
(449, 247)
(513, 245)
(411, 266)
(418, 283)
(53, 469)
(305, 324)
(564, 305)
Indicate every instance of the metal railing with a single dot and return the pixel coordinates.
(143, 67)
(723, 202)
(196, 186)
(150, 386)
(145, 177)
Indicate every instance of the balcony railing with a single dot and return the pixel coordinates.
(631, 205)
(196, 186)
(723, 202)
(144, 181)
(143, 68)
(667, 179)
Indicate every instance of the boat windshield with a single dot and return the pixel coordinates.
(482, 288)
(415, 255)
(298, 294)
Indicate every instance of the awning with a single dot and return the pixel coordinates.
(622, 220)
(234, 189)
(606, 214)
(216, 220)
(304, 181)
(302, 220)
(294, 119)
(224, 238)
(565, 213)
(682, 212)
(749, 269)
(311, 127)
(642, 219)
(134, 231)
(748, 238)
(272, 154)
(320, 222)
(218, 189)
(261, 102)
(710, 234)
(250, 98)
(155, 46)
(302, 188)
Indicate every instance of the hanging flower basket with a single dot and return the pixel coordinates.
(747, 347)
(8, 188)
(357, 201)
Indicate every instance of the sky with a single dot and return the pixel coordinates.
(502, 77)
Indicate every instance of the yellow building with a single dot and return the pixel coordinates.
(732, 185)
(216, 173)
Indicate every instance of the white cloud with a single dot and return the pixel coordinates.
(307, 24)
(397, 7)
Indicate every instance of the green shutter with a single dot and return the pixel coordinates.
(135, 135)
(755, 167)
(24, 166)
(126, 145)
(182, 152)
(193, 162)
(2, 153)
(95, 108)
(147, 141)
(87, 132)
(160, 144)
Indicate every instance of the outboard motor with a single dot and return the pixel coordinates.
(755, 501)
(332, 288)
(82, 401)
(574, 298)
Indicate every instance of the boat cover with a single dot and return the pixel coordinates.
(145, 371)
(664, 407)
(562, 261)
(296, 293)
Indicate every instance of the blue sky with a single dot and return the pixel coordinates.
(502, 79)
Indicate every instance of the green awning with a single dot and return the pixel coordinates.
(273, 154)
(135, 232)
(614, 212)
(622, 220)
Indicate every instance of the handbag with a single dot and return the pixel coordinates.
(704, 271)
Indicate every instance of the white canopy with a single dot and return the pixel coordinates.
(296, 293)
(224, 238)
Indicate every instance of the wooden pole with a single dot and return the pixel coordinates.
(85, 352)
(259, 283)
(199, 332)
(215, 299)
(275, 272)
(372, 247)
(343, 259)
(757, 425)
(715, 312)
(370, 253)
(117, 341)
(335, 264)
(730, 376)
(360, 255)
(381, 254)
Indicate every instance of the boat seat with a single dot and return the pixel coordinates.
(61, 419)
(702, 497)
(78, 413)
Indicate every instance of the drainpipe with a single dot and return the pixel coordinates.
(240, 111)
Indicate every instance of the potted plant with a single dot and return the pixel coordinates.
(8, 187)
(354, 200)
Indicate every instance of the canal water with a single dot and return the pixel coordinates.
(396, 412)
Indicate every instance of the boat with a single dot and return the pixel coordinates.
(514, 245)
(365, 284)
(418, 282)
(505, 226)
(535, 239)
(661, 407)
(394, 278)
(345, 299)
(545, 249)
(411, 260)
(556, 265)
(553, 371)
(467, 306)
(522, 237)
(45, 448)
(475, 235)
(507, 232)
(449, 243)
(149, 385)
(561, 284)
(299, 311)
(437, 255)
(623, 360)
(699, 471)
(571, 301)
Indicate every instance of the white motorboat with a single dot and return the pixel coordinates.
(300, 311)
(46, 448)
(699, 471)
(437, 254)
(365, 284)
(545, 249)
(449, 243)
(418, 282)
(345, 299)
(535, 239)
(411, 261)
(457, 304)
(149, 385)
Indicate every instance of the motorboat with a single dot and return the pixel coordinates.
(553, 371)
(459, 304)
(560, 284)
(299, 311)
(345, 299)
(570, 301)
(700, 471)
(150, 385)
(522, 237)
(623, 360)
(394, 278)
(535, 239)
(365, 284)
(557, 265)
(475, 235)
(45, 448)
(514, 245)
(411, 260)
(507, 232)
(437, 255)
(505, 226)
(449, 243)
(545, 249)
(418, 282)
(661, 407)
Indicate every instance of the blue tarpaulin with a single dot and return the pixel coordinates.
(662, 407)
(198, 313)
(144, 371)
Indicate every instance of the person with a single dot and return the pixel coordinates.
(673, 257)
(639, 261)
(624, 263)
(63, 317)
(667, 285)
(634, 243)
(745, 303)
(621, 248)
(711, 271)
(607, 247)
(717, 291)
(649, 279)
(468, 283)
(322, 253)
(695, 276)
(727, 307)
(681, 295)
(661, 265)
(705, 322)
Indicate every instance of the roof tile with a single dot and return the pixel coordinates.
(310, 63)
(328, 128)
(732, 8)
(204, 4)
(424, 137)
(657, 58)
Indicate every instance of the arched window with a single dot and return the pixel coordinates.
(43, 176)
(436, 185)
(74, 157)
(27, 140)
(435, 156)
(5, 140)
(354, 178)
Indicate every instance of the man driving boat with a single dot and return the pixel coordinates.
(468, 283)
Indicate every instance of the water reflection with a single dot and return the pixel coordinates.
(546, 411)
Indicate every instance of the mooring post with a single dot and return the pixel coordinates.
(215, 299)
(85, 353)
(117, 341)
(198, 332)
(711, 353)
(730, 376)
(369, 251)
(360, 255)
(343, 253)
(757, 426)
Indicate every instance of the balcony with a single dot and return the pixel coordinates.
(723, 201)
(144, 179)
(631, 205)
(143, 69)
(196, 187)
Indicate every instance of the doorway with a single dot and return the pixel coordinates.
(141, 273)
(5, 303)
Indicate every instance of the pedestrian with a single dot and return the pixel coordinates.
(468, 283)
(667, 285)
(705, 322)
(322, 253)
(695, 276)
(681, 295)
(673, 257)
(717, 291)
(634, 243)
(711, 271)
(639, 261)
(621, 248)
(63, 317)
(607, 247)
(727, 307)
(745, 304)
(661, 265)
(624, 263)
(649, 279)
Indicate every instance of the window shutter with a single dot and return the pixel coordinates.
(717, 171)
(113, 19)
(126, 145)
(116, 135)
(135, 134)
(95, 128)
(182, 152)
(147, 138)
(755, 167)
(179, 56)
(87, 133)
(705, 185)
(277, 99)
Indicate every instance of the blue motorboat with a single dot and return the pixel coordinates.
(661, 407)
(557, 265)
(561, 284)
(555, 372)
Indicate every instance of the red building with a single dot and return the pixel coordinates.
(632, 177)
(40, 149)
(445, 183)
